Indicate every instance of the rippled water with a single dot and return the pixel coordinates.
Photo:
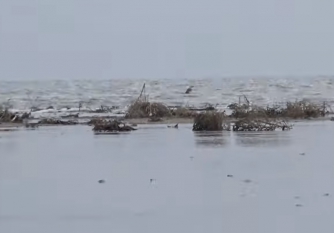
(166, 180)
(220, 92)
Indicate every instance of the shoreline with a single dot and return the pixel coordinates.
(145, 121)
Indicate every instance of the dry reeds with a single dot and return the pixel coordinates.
(6, 116)
(208, 121)
(293, 110)
(141, 109)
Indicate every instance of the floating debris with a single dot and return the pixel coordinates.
(52, 121)
(101, 181)
(326, 194)
(110, 126)
(230, 176)
(299, 205)
(302, 153)
(254, 124)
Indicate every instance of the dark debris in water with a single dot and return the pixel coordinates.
(101, 125)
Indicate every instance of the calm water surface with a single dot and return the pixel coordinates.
(167, 180)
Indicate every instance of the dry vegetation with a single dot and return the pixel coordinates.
(292, 110)
(110, 126)
(253, 124)
(208, 121)
(144, 109)
(52, 121)
(184, 113)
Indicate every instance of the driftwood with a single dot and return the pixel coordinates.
(52, 121)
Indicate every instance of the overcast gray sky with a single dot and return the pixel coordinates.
(73, 39)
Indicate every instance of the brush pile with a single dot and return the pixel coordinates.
(110, 126)
(208, 121)
(7, 116)
(248, 124)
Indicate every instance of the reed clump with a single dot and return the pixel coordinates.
(292, 110)
(145, 109)
(7, 116)
(208, 121)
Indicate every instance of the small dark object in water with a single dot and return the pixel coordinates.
(32, 125)
(297, 197)
(326, 194)
(230, 176)
(152, 180)
(71, 116)
(102, 181)
(175, 126)
(302, 153)
(299, 205)
(50, 107)
(247, 181)
(332, 119)
(191, 157)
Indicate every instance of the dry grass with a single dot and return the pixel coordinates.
(293, 110)
(208, 121)
(143, 109)
(6, 116)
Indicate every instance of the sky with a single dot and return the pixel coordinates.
(86, 39)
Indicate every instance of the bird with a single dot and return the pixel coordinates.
(189, 89)
(175, 126)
